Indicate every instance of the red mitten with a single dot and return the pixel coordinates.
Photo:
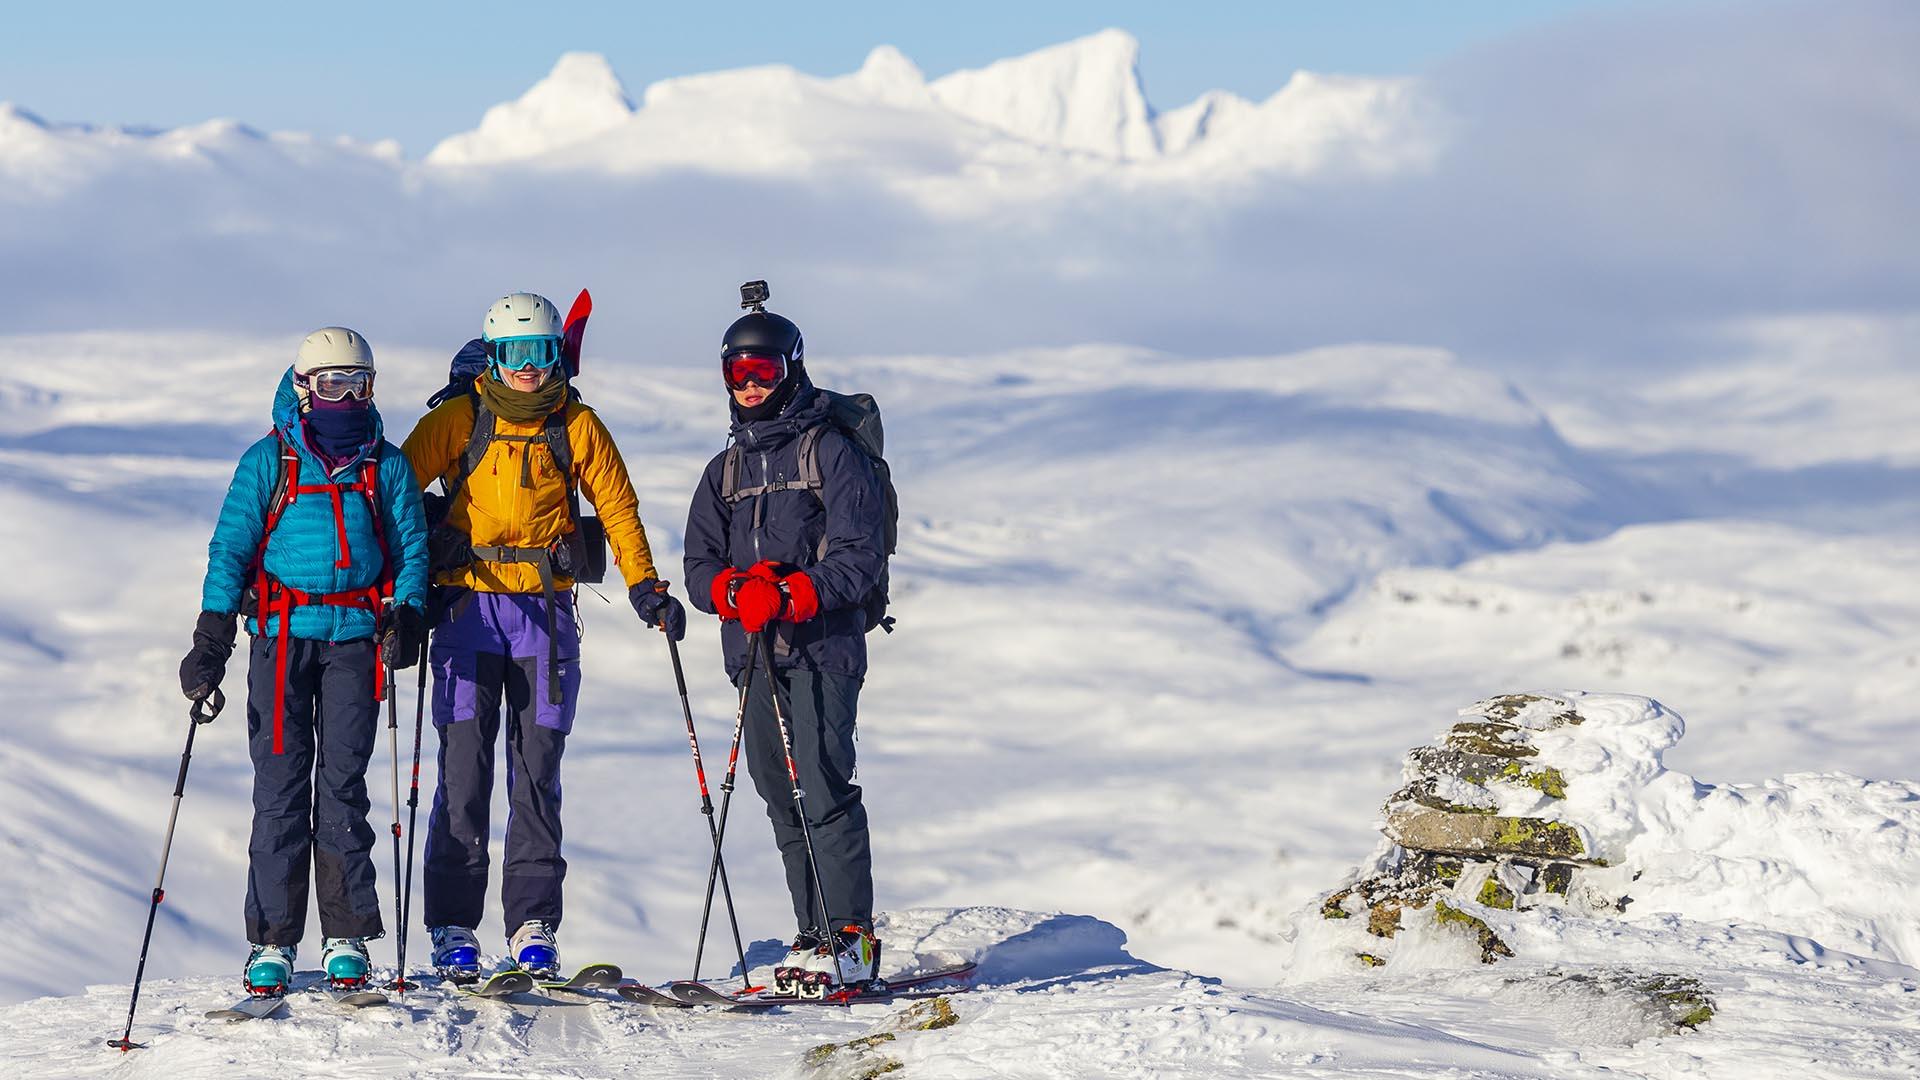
(722, 585)
(759, 601)
(804, 602)
(765, 568)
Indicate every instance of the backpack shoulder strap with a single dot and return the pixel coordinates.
(730, 474)
(286, 480)
(478, 440)
(554, 432)
(810, 459)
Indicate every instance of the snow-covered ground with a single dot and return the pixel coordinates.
(1168, 623)
(1166, 628)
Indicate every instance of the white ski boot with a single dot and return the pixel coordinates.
(456, 953)
(534, 949)
(346, 963)
(790, 973)
(852, 966)
(269, 970)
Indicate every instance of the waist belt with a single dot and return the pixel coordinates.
(542, 560)
(279, 601)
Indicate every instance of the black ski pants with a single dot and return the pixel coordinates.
(821, 710)
(310, 802)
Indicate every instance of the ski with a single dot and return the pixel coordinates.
(250, 1008)
(500, 985)
(574, 331)
(357, 997)
(642, 994)
(881, 990)
(591, 977)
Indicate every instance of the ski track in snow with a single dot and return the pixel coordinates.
(1158, 662)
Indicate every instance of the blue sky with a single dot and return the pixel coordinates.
(418, 70)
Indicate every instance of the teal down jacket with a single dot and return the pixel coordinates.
(306, 544)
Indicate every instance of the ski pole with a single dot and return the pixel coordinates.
(399, 903)
(799, 797)
(202, 711)
(706, 809)
(726, 802)
(413, 816)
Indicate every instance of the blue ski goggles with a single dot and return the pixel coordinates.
(521, 353)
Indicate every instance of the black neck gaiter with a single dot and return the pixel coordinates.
(774, 404)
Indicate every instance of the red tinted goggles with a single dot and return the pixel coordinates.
(764, 369)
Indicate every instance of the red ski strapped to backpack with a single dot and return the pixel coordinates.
(274, 599)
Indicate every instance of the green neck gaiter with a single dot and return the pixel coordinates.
(521, 406)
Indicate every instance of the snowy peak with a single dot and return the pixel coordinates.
(581, 97)
(889, 77)
(1083, 95)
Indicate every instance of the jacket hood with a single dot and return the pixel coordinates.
(286, 420)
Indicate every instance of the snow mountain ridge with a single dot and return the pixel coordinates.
(1082, 98)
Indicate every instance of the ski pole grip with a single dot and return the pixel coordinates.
(203, 710)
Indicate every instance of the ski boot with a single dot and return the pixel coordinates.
(269, 970)
(534, 950)
(345, 962)
(790, 972)
(852, 966)
(456, 953)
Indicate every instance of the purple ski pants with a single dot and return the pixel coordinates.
(489, 651)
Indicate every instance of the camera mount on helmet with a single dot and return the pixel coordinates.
(753, 296)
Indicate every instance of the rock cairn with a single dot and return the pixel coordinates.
(1483, 820)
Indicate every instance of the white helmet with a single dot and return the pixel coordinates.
(330, 347)
(521, 314)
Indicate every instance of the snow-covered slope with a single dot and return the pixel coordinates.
(1183, 692)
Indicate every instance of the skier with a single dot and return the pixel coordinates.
(322, 545)
(770, 554)
(505, 565)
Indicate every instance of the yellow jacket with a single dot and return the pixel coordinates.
(495, 511)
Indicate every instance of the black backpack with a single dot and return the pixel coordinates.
(857, 416)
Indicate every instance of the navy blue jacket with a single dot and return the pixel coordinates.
(788, 527)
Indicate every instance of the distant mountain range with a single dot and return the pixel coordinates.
(1078, 107)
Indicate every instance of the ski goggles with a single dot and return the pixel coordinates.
(338, 384)
(521, 353)
(764, 369)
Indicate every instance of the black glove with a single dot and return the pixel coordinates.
(206, 663)
(656, 608)
(406, 636)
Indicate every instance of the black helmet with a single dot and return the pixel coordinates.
(764, 332)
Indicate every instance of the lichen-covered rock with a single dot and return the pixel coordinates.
(1460, 798)
(1556, 878)
(1491, 947)
(929, 1015)
(864, 1058)
(1483, 835)
(1484, 769)
(1685, 999)
(1489, 739)
(855, 1059)
(1495, 895)
(1537, 711)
